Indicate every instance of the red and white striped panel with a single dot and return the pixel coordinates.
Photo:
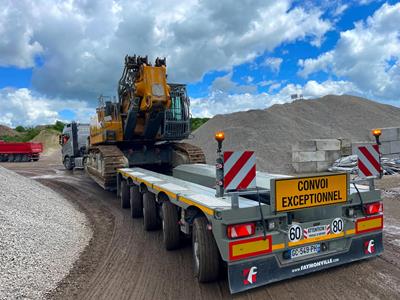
(305, 233)
(368, 160)
(239, 170)
(328, 229)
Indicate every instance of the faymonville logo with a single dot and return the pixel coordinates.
(250, 275)
(316, 264)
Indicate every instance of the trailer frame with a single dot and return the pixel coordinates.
(264, 252)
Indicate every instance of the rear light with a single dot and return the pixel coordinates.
(373, 208)
(241, 230)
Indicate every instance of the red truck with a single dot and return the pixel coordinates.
(20, 152)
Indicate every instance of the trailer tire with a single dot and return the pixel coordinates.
(136, 201)
(125, 194)
(205, 252)
(170, 226)
(11, 157)
(18, 158)
(150, 221)
(67, 163)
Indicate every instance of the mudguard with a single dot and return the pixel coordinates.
(249, 274)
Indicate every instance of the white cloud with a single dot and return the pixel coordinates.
(219, 102)
(274, 63)
(274, 87)
(23, 107)
(340, 9)
(368, 55)
(82, 43)
(313, 89)
(226, 85)
(17, 44)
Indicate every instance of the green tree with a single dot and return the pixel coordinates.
(20, 128)
(59, 126)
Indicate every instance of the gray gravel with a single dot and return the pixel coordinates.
(41, 236)
(272, 132)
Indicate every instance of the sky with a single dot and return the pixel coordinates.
(57, 57)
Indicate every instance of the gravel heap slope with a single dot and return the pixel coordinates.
(49, 139)
(271, 132)
(4, 130)
(41, 236)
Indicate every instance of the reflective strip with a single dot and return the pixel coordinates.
(350, 231)
(369, 224)
(250, 247)
(316, 239)
(278, 246)
(170, 194)
(207, 210)
(203, 208)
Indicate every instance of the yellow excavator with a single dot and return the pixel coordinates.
(144, 127)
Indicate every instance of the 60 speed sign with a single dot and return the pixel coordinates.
(295, 233)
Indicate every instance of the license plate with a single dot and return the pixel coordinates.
(306, 250)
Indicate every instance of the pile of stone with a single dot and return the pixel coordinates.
(41, 236)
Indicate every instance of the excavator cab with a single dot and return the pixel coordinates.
(177, 117)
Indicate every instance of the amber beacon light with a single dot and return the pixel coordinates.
(377, 133)
(220, 136)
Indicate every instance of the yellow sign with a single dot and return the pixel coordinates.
(303, 192)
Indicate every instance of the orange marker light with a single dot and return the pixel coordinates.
(220, 136)
(376, 132)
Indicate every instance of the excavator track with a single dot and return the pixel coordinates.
(102, 163)
(194, 154)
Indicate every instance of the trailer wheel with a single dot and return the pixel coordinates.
(25, 158)
(11, 157)
(67, 163)
(150, 221)
(205, 252)
(170, 226)
(136, 201)
(18, 158)
(125, 194)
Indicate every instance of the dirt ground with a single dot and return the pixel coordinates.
(124, 262)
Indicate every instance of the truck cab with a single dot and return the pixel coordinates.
(73, 141)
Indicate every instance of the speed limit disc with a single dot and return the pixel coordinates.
(295, 233)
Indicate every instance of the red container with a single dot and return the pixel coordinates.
(20, 151)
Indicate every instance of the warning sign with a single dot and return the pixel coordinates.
(298, 193)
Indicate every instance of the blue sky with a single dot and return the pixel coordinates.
(291, 53)
(233, 55)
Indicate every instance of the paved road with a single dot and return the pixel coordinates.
(125, 262)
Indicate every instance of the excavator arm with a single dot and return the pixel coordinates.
(144, 96)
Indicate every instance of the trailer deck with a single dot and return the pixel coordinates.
(329, 234)
(184, 191)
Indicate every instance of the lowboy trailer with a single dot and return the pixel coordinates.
(284, 227)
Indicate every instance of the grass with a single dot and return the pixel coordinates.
(197, 122)
(28, 133)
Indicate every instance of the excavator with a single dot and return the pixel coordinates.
(145, 127)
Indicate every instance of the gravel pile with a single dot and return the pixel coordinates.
(271, 132)
(41, 236)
